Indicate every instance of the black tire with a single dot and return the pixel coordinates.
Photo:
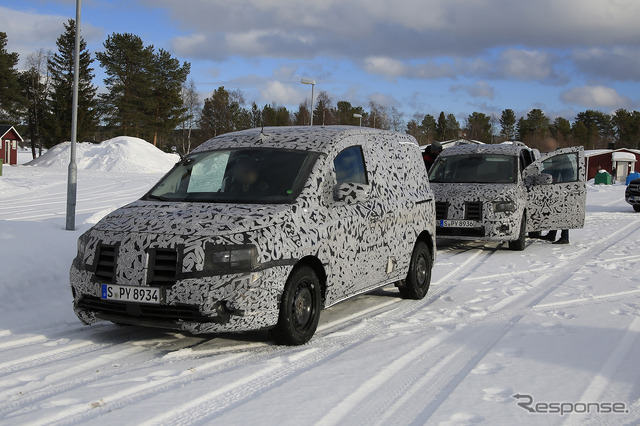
(519, 244)
(418, 279)
(636, 207)
(299, 308)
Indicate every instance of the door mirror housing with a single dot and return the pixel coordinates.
(539, 179)
(351, 192)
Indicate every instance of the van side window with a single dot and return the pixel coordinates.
(562, 168)
(349, 166)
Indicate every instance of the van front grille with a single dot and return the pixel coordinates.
(473, 210)
(442, 208)
(163, 266)
(106, 264)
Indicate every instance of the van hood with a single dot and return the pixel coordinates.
(193, 219)
(474, 191)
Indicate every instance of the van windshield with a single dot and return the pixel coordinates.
(474, 168)
(236, 175)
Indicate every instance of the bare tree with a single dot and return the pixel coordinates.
(36, 82)
(397, 120)
(379, 116)
(191, 102)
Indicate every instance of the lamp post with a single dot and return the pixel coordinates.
(312, 83)
(358, 116)
(72, 179)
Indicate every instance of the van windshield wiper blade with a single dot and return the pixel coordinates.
(159, 197)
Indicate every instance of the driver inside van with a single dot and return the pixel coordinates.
(246, 177)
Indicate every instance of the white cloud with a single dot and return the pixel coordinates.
(281, 94)
(620, 63)
(28, 32)
(522, 64)
(480, 89)
(384, 66)
(403, 29)
(594, 97)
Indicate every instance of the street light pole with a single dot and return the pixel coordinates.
(358, 116)
(72, 181)
(312, 83)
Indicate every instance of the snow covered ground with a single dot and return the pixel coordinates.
(559, 325)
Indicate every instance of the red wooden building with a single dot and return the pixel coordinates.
(9, 139)
(624, 160)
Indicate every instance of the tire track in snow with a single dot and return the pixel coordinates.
(49, 389)
(602, 380)
(436, 385)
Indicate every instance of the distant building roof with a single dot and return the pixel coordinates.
(623, 156)
(6, 128)
(595, 152)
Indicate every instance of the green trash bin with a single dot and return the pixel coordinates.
(602, 177)
(1, 167)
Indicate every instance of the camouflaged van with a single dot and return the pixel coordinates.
(502, 192)
(261, 229)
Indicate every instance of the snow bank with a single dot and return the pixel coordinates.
(120, 154)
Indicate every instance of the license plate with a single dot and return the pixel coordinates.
(124, 293)
(457, 224)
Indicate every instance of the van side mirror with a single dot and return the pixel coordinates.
(351, 192)
(539, 179)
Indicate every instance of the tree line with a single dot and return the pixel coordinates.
(143, 98)
(148, 96)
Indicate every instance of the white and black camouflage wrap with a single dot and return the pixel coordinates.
(545, 204)
(350, 244)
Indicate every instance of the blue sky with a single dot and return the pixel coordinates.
(420, 56)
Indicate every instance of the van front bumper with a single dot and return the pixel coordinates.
(223, 303)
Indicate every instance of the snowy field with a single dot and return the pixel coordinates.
(559, 326)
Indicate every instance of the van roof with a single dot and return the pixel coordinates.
(503, 149)
(305, 138)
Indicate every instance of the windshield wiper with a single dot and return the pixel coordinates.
(159, 197)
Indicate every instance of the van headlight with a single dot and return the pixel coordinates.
(504, 206)
(234, 258)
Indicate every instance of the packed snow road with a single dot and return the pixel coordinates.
(550, 335)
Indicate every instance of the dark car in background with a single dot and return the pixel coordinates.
(632, 194)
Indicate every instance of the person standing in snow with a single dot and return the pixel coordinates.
(550, 145)
(430, 154)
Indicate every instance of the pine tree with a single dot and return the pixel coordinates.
(441, 127)
(167, 78)
(479, 127)
(129, 103)
(428, 125)
(11, 99)
(302, 116)
(452, 127)
(223, 113)
(323, 111)
(508, 124)
(61, 67)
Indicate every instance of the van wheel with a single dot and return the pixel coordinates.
(418, 279)
(636, 207)
(519, 244)
(299, 308)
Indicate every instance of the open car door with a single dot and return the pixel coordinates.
(556, 190)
